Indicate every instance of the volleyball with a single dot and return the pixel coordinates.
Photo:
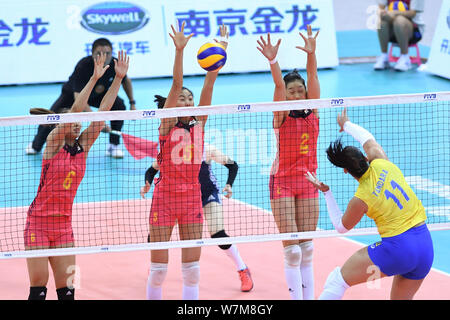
(397, 6)
(212, 56)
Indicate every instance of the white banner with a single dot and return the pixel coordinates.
(41, 41)
(439, 59)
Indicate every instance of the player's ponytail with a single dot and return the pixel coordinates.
(160, 101)
(350, 158)
(38, 111)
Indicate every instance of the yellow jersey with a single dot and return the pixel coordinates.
(392, 203)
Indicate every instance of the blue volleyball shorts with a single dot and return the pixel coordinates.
(210, 195)
(409, 254)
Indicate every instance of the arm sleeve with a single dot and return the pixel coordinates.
(334, 212)
(232, 172)
(150, 174)
(358, 132)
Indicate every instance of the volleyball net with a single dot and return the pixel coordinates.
(109, 214)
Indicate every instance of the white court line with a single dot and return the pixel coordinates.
(430, 186)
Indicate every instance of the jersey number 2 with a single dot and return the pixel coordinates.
(304, 147)
(390, 195)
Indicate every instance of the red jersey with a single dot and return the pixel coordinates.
(296, 144)
(180, 158)
(60, 178)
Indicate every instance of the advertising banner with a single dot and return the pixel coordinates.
(439, 59)
(41, 41)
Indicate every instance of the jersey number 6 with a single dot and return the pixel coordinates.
(68, 180)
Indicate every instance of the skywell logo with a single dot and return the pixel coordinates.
(114, 18)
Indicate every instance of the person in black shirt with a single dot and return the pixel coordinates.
(73, 87)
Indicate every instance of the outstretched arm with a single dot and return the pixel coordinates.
(211, 76)
(55, 139)
(82, 98)
(270, 52)
(92, 132)
(212, 153)
(356, 208)
(180, 41)
(312, 84)
(372, 149)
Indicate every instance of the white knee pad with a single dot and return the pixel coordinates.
(157, 275)
(191, 273)
(335, 284)
(307, 252)
(292, 256)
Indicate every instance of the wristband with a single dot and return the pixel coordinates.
(223, 39)
(273, 61)
(132, 101)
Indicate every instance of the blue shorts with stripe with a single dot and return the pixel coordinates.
(409, 254)
(210, 195)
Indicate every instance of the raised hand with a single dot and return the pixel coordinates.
(121, 64)
(99, 66)
(267, 49)
(228, 191)
(178, 37)
(224, 34)
(145, 189)
(310, 42)
(311, 177)
(342, 119)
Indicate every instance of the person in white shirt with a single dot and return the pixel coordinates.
(401, 22)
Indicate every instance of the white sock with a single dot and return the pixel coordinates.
(191, 279)
(155, 280)
(306, 268)
(190, 293)
(405, 56)
(385, 56)
(292, 258)
(335, 286)
(234, 255)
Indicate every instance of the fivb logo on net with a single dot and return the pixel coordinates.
(53, 118)
(243, 107)
(430, 96)
(148, 113)
(337, 102)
